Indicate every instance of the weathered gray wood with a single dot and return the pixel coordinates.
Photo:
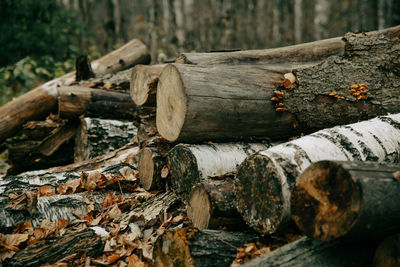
(347, 200)
(190, 164)
(264, 180)
(202, 103)
(96, 137)
(51, 251)
(307, 252)
(193, 247)
(74, 101)
(212, 205)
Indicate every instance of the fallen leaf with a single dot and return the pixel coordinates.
(16, 239)
(164, 172)
(45, 190)
(114, 212)
(135, 261)
(396, 175)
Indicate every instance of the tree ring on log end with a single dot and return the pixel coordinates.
(183, 169)
(139, 79)
(171, 103)
(199, 208)
(259, 193)
(326, 202)
(146, 168)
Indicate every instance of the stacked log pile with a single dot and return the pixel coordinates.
(215, 159)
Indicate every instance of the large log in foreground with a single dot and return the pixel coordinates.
(264, 180)
(192, 247)
(190, 164)
(307, 252)
(96, 137)
(347, 200)
(201, 103)
(39, 102)
(212, 206)
(74, 101)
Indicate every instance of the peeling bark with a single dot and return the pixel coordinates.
(264, 180)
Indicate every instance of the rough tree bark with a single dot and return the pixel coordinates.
(74, 101)
(150, 165)
(264, 180)
(41, 144)
(96, 137)
(307, 52)
(50, 251)
(213, 99)
(308, 252)
(212, 205)
(144, 80)
(190, 164)
(192, 247)
(347, 200)
(39, 102)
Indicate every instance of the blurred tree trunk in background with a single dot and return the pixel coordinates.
(173, 26)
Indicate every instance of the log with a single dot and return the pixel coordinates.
(144, 80)
(190, 164)
(96, 137)
(47, 144)
(42, 100)
(307, 52)
(50, 251)
(388, 252)
(193, 247)
(307, 252)
(74, 101)
(212, 206)
(264, 180)
(112, 81)
(347, 200)
(220, 102)
(150, 165)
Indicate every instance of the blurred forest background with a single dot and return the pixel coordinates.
(40, 39)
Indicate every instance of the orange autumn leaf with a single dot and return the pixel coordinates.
(113, 258)
(45, 190)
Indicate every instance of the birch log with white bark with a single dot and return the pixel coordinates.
(349, 200)
(307, 252)
(264, 180)
(190, 164)
(96, 137)
(39, 102)
(221, 102)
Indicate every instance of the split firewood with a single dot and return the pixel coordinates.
(41, 145)
(347, 200)
(388, 252)
(307, 52)
(74, 101)
(212, 206)
(50, 251)
(96, 137)
(144, 80)
(153, 169)
(220, 102)
(191, 164)
(42, 100)
(307, 252)
(193, 247)
(264, 180)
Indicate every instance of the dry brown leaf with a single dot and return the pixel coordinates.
(62, 224)
(45, 190)
(96, 221)
(107, 86)
(71, 186)
(6, 255)
(135, 261)
(164, 172)
(114, 212)
(178, 218)
(16, 239)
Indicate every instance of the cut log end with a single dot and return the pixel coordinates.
(171, 103)
(146, 168)
(259, 194)
(199, 208)
(139, 79)
(326, 196)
